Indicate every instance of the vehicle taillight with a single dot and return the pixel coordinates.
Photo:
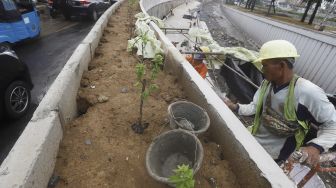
(84, 2)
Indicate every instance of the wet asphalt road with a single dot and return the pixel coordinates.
(45, 58)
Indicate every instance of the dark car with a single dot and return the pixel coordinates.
(15, 85)
(91, 9)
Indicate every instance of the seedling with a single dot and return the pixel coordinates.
(183, 177)
(146, 81)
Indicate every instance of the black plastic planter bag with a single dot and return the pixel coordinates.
(240, 88)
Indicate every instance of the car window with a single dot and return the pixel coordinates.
(8, 5)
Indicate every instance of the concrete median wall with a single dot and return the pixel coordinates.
(161, 8)
(31, 161)
(250, 162)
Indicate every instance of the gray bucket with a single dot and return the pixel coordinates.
(172, 148)
(188, 116)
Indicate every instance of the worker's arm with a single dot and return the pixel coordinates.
(249, 109)
(317, 103)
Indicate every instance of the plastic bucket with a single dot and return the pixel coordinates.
(170, 149)
(188, 116)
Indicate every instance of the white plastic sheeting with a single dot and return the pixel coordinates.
(146, 43)
(237, 52)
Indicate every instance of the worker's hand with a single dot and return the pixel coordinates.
(310, 155)
(230, 104)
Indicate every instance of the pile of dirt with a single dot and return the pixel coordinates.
(99, 148)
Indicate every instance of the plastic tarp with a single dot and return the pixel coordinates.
(145, 42)
(237, 52)
(241, 89)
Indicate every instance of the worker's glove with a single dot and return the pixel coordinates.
(308, 155)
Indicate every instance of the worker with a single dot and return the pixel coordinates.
(285, 105)
(197, 63)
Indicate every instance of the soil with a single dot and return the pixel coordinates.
(99, 148)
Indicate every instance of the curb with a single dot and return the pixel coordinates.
(31, 161)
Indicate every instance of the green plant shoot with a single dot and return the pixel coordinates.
(157, 62)
(145, 81)
(183, 177)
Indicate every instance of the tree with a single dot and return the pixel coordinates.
(309, 4)
(312, 17)
(150, 58)
(250, 4)
(270, 6)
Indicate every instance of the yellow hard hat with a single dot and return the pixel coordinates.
(277, 49)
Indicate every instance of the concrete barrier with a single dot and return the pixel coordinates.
(31, 161)
(250, 162)
(162, 8)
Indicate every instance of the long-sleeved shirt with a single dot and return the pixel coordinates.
(311, 103)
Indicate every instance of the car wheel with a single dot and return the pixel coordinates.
(94, 15)
(67, 15)
(53, 13)
(5, 46)
(17, 99)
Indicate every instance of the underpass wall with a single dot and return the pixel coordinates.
(317, 50)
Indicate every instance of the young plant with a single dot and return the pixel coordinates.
(146, 81)
(183, 177)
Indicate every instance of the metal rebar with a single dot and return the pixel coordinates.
(205, 53)
(307, 177)
(173, 28)
(217, 53)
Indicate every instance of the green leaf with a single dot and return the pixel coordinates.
(140, 71)
(156, 62)
(153, 87)
(183, 177)
(145, 94)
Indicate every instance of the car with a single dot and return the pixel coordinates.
(19, 21)
(91, 9)
(15, 85)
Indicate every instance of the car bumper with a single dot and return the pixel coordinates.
(80, 11)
